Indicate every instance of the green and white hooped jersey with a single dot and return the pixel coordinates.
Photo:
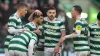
(94, 29)
(31, 26)
(81, 42)
(13, 22)
(20, 42)
(52, 31)
(41, 37)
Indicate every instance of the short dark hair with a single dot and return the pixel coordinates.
(21, 5)
(98, 16)
(51, 8)
(78, 8)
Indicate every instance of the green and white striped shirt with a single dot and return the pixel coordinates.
(31, 26)
(52, 31)
(81, 42)
(20, 42)
(94, 29)
(15, 23)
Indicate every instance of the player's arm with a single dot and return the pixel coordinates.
(62, 29)
(27, 26)
(30, 47)
(12, 29)
(12, 26)
(15, 31)
(37, 12)
(77, 31)
(62, 35)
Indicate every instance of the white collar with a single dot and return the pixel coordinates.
(33, 24)
(77, 18)
(51, 20)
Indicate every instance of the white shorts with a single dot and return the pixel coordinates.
(6, 51)
(39, 53)
(94, 55)
(50, 52)
(82, 53)
(17, 53)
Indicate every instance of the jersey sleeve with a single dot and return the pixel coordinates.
(12, 23)
(34, 36)
(62, 26)
(78, 27)
(27, 26)
(12, 27)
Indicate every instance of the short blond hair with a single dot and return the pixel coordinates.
(21, 5)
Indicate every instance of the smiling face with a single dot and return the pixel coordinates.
(51, 14)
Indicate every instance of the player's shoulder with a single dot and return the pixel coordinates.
(33, 34)
(58, 21)
(78, 22)
(12, 16)
(82, 20)
(93, 24)
(28, 33)
(28, 23)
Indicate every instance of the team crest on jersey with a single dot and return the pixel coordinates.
(51, 26)
(78, 27)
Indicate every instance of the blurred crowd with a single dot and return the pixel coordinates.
(8, 7)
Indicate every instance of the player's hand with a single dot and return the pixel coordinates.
(25, 29)
(38, 12)
(35, 49)
(56, 49)
(37, 31)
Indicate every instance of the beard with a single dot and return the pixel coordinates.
(51, 17)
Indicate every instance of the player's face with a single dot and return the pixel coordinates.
(98, 22)
(23, 11)
(40, 19)
(73, 13)
(51, 14)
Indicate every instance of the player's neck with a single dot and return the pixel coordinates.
(78, 16)
(35, 22)
(18, 14)
(53, 19)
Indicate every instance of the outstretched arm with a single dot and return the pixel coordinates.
(56, 49)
